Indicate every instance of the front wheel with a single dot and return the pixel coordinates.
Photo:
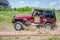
(48, 26)
(18, 26)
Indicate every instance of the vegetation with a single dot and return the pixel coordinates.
(7, 13)
(54, 38)
(27, 8)
(57, 15)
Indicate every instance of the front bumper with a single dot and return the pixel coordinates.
(13, 21)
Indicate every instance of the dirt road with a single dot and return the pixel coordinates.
(9, 30)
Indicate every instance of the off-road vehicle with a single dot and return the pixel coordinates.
(45, 18)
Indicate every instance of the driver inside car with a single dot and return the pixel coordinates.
(40, 14)
(37, 13)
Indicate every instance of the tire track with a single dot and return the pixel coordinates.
(35, 33)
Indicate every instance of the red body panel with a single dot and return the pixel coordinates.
(31, 19)
(22, 16)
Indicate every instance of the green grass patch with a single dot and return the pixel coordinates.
(58, 16)
(6, 16)
(54, 38)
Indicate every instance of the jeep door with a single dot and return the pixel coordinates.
(37, 19)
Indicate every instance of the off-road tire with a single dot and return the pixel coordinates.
(18, 26)
(48, 26)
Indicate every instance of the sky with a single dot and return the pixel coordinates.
(35, 3)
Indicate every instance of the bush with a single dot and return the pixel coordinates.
(27, 8)
(5, 9)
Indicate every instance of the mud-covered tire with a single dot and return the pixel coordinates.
(18, 26)
(48, 26)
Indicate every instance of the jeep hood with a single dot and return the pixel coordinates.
(22, 16)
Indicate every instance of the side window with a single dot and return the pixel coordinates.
(49, 15)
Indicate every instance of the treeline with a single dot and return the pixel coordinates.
(27, 8)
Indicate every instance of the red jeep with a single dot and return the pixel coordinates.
(45, 18)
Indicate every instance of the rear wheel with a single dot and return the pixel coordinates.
(18, 26)
(48, 26)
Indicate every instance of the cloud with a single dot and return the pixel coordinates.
(21, 2)
(53, 3)
(12, 3)
(36, 2)
(59, 0)
(13, 6)
(34, 5)
(27, 4)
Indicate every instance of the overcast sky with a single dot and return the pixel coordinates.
(37, 3)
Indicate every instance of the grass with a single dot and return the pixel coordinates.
(58, 16)
(54, 38)
(6, 16)
(6, 20)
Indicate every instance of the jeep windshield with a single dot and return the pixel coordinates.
(36, 12)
